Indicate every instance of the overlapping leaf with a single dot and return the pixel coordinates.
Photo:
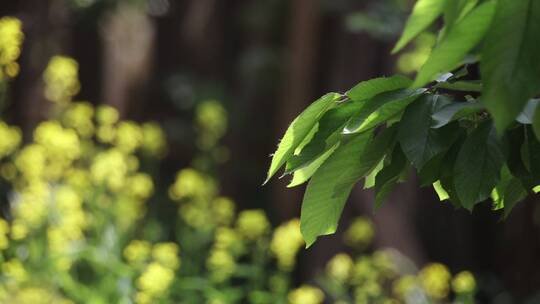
(510, 65)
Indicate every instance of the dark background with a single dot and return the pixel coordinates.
(265, 60)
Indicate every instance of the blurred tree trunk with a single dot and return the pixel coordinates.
(47, 33)
(300, 77)
(128, 36)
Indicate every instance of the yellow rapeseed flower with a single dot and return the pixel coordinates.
(79, 116)
(166, 254)
(61, 79)
(128, 137)
(110, 168)
(190, 183)
(360, 233)
(223, 209)
(404, 286)
(211, 118)
(4, 231)
(137, 252)
(140, 185)
(11, 37)
(435, 280)
(155, 280)
(14, 269)
(220, 264)
(252, 224)
(340, 267)
(11, 138)
(286, 242)
(154, 141)
(306, 294)
(107, 115)
(464, 282)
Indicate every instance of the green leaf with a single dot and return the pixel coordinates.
(430, 172)
(298, 130)
(302, 175)
(374, 152)
(454, 111)
(370, 88)
(381, 108)
(461, 38)
(510, 65)
(422, 16)
(508, 192)
(321, 208)
(370, 178)
(461, 85)
(478, 165)
(327, 135)
(387, 178)
(419, 141)
(526, 117)
(536, 123)
(441, 193)
(457, 9)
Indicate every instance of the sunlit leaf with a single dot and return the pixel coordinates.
(321, 207)
(298, 130)
(460, 40)
(422, 16)
(381, 108)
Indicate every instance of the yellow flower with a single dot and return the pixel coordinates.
(435, 279)
(155, 280)
(79, 117)
(129, 136)
(464, 282)
(110, 168)
(286, 242)
(59, 143)
(306, 294)
(364, 271)
(140, 185)
(14, 269)
(154, 141)
(35, 295)
(4, 231)
(252, 224)
(360, 233)
(61, 79)
(383, 261)
(340, 267)
(31, 161)
(107, 115)
(211, 119)
(19, 230)
(221, 265)
(30, 206)
(166, 254)
(11, 38)
(190, 183)
(227, 239)
(223, 209)
(404, 286)
(137, 251)
(11, 138)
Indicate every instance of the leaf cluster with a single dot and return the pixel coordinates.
(471, 135)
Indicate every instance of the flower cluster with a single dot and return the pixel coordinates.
(385, 276)
(61, 79)
(11, 38)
